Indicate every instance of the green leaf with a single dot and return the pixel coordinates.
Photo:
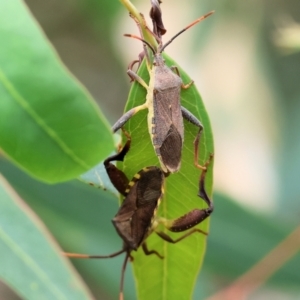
(98, 177)
(31, 262)
(174, 276)
(49, 125)
(238, 237)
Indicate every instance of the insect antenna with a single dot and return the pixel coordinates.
(139, 38)
(184, 29)
(79, 255)
(121, 297)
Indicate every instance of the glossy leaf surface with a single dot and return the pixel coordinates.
(49, 125)
(31, 261)
(98, 177)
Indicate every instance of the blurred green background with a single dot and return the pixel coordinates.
(245, 63)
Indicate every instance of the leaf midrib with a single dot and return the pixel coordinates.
(39, 121)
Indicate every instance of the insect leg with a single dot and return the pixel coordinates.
(149, 252)
(116, 176)
(120, 123)
(183, 86)
(202, 192)
(188, 220)
(195, 216)
(168, 239)
(139, 61)
(137, 78)
(186, 114)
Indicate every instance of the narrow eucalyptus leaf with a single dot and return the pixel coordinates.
(49, 124)
(31, 262)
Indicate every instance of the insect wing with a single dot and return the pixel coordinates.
(122, 220)
(167, 123)
(149, 193)
(135, 216)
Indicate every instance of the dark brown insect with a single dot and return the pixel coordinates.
(136, 218)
